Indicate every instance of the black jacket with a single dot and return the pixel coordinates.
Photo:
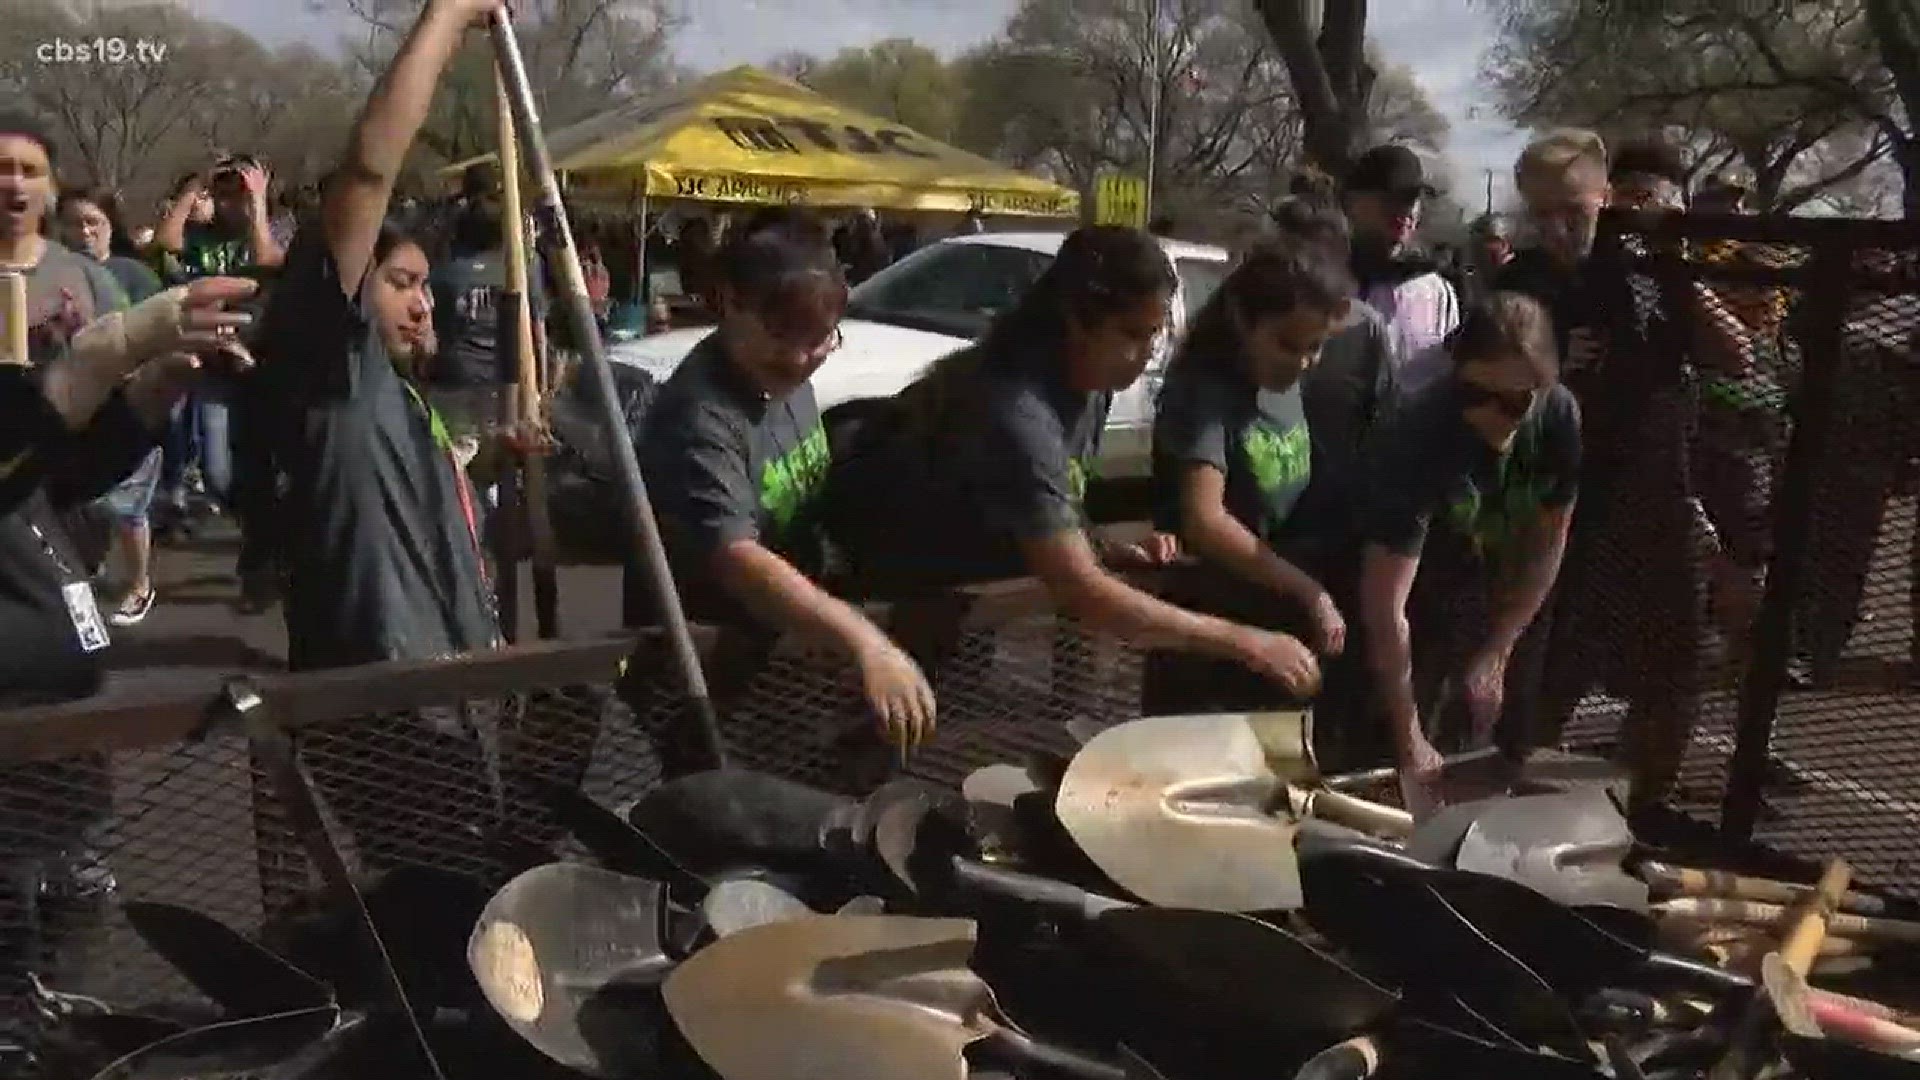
(44, 469)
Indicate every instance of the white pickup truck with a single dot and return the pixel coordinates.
(945, 295)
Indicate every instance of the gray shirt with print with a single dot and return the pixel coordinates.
(1257, 439)
(724, 462)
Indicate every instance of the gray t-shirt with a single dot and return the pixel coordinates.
(385, 553)
(949, 495)
(1348, 392)
(467, 292)
(1258, 439)
(1428, 464)
(724, 462)
(65, 291)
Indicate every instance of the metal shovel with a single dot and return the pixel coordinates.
(852, 997)
(1200, 811)
(572, 958)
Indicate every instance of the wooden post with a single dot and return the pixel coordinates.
(524, 407)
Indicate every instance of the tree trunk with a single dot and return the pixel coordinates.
(1896, 30)
(1331, 77)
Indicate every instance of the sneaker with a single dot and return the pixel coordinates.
(133, 608)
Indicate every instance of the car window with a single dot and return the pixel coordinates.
(1198, 280)
(953, 289)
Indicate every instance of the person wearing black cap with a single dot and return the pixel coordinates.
(1382, 197)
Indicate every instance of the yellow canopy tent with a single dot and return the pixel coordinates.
(747, 136)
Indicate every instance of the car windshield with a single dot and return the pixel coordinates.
(958, 289)
(954, 289)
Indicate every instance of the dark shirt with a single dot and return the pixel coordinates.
(135, 278)
(1257, 439)
(1429, 464)
(208, 252)
(385, 560)
(46, 469)
(467, 292)
(945, 492)
(724, 463)
(1347, 393)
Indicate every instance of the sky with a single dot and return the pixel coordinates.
(1441, 40)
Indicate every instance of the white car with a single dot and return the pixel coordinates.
(945, 295)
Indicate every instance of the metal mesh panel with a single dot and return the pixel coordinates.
(1848, 720)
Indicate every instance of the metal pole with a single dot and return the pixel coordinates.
(573, 295)
(1153, 100)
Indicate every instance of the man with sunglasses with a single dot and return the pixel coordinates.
(1472, 485)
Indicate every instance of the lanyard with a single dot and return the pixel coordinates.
(443, 439)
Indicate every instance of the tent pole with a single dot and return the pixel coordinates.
(573, 295)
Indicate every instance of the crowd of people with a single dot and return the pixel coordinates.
(1389, 463)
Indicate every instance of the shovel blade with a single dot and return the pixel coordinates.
(241, 976)
(572, 957)
(1569, 846)
(235, 1046)
(835, 997)
(744, 903)
(1174, 809)
(727, 818)
(1247, 974)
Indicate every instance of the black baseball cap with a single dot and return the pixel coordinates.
(1392, 169)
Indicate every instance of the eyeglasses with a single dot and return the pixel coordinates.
(1513, 404)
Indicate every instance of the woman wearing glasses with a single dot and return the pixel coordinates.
(1472, 486)
(735, 456)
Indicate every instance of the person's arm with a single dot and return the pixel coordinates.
(355, 202)
(771, 589)
(1214, 534)
(1066, 564)
(262, 249)
(170, 236)
(1386, 581)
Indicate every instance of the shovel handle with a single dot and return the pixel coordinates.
(1054, 895)
(1753, 913)
(1355, 813)
(1809, 926)
(1687, 881)
(13, 316)
(1836, 1018)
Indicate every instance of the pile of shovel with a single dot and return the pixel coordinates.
(1184, 898)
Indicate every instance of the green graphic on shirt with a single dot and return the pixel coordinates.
(1279, 461)
(1500, 523)
(788, 483)
(1077, 473)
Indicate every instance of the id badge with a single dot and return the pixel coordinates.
(86, 617)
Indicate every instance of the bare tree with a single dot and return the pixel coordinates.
(1087, 85)
(898, 79)
(1324, 44)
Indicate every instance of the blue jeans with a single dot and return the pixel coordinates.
(201, 430)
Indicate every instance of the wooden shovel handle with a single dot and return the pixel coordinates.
(1355, 813)
(1801, 945)
(13, 311)
(1754, 913)
(1840, 1018)
(1690, 881)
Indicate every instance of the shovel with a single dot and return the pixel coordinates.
(572, 957)
(852, 997)
(230, 1047)
(1571, 846)
(1198, 811)
(1353, 884)
(1781, 1000)
(1420, 1049)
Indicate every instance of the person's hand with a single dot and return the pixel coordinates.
(184, 319)
(255, 179)
(476, 13)
(1157, 549)
(157, 385)
(1281, 657)
(1486, 692)
(1329, 626)
(1420, 769)
(898, 694)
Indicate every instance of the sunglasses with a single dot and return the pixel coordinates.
(1512, 404)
